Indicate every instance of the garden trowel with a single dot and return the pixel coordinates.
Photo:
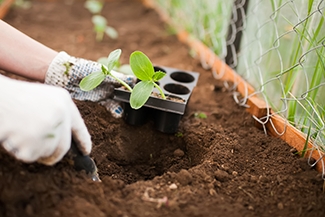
(82, 162)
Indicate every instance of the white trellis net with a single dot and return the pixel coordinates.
(206, 20)
(282, 52)
(282, 55)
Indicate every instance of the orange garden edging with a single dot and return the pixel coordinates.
(4, 7)
(257, 106)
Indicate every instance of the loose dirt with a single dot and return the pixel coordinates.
(216, 166)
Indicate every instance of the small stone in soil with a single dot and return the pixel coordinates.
(293, 150)
(221, 175)
(173, 186)
(254, 179)
(212, 192)
(280, 206)
(184, 177)
(178, 153)
(263, 179)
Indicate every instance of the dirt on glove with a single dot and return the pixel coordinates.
(216, 166)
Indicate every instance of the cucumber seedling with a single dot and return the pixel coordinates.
(94, 79)
(100, 22)
(101, 27)
(95, 7)
(143, 69)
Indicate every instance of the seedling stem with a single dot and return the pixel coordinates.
(161, 92)
(119, 80)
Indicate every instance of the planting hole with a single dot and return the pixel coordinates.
(177, 89)
(182, 77)
(144, 153)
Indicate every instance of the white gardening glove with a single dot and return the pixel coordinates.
(67, 72)
(37, 120)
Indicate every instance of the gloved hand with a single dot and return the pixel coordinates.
(37, 120)
(67, 72)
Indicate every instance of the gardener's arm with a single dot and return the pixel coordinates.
(22, 55)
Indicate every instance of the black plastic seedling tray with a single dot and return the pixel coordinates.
(165, 113)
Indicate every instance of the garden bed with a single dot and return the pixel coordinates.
(221, 165)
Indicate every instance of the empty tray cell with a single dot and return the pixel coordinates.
(182, 77)
(156, 68)
(177, 89)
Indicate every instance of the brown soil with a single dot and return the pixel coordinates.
(172, 98)
(218, 166)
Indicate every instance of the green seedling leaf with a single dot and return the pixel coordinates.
(158, 75)
(125, 68)
(95, 7)
(179, 134)
(118, 65)
(305, 150)
(143, 70)
(113, 59)
(200, 115)
(104, 70)
(306, 142)
(92, 80)
(111, 32)
(104, 61)
(141, 66)
(100, 23)
(140, 94)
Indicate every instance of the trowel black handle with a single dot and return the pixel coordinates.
(82, 162)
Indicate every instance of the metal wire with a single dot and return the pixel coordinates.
(281, 54)
(253, 63)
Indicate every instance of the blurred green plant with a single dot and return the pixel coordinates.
(283, 56)
(207, 20)
(200, 115)
(282, 52)
(125, 68)
(100, 23)
(25, 4)
(95, 7)
(100, 27)
(179, 134)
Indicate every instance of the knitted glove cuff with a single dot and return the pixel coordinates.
(58, 73)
